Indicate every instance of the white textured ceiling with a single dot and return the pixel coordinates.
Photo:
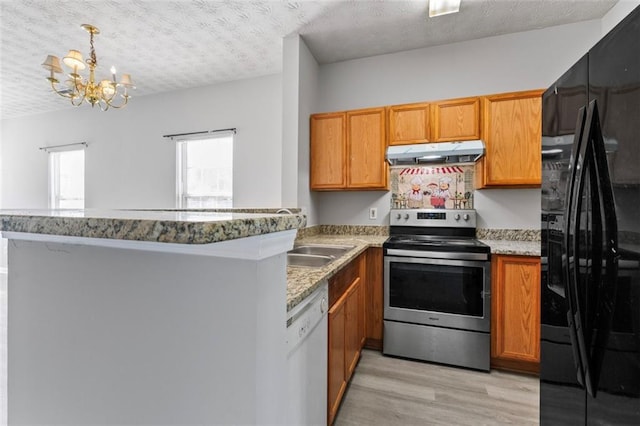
(169, 45)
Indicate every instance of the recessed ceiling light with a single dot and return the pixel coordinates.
(443, 7)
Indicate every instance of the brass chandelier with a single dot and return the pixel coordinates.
(105, 94)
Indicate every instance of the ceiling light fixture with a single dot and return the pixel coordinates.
(79, 89)
(443, 7)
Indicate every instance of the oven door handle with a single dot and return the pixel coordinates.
(438, 254)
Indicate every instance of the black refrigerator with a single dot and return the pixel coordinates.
(590, 301)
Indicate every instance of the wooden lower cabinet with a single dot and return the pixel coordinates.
(346, 329)
(373, 294)
(515, 313)
(337, 379)
(352, 335)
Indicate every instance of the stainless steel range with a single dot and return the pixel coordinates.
(437, 282)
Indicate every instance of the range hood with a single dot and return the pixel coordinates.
(440, 152)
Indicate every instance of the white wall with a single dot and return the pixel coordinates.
(513, 62)
(128, 162)
(290, 118)
(309, 70)
(617, 13)
(300, 90)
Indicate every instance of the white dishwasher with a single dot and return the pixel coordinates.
(307, 331)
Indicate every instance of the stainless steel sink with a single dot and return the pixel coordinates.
(315, 255)
(308, 260)
(321, 249)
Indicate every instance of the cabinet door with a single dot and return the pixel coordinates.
(336, 368)
(515, 321)
(362, 330)
(366, 136)
(374, 298)
(512, 134)
(456, 120)
(352, 329)
(409, 124)
(328, 151)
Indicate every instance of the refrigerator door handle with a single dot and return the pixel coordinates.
(577, 295)
(607, 265)
(569, 266)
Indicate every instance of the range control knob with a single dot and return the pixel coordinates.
(465, 217)
(406, 216)
(398, 216)
(456, 216)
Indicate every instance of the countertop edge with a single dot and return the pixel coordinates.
(159, 230)
(516, 248)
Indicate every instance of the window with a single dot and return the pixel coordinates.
(66, 179)
(205, 171)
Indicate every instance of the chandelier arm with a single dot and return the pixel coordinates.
(53, 82)
(124, 103)
(103, 104)
(81, 98)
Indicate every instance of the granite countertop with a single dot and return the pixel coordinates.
(520, 248)
(302, 281)
(163, 226)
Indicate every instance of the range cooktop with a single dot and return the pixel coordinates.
(436, 243)
(434, 230)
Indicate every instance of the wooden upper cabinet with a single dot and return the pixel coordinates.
(515, 321)
(409, 124)
(456, 120)
(348, 150)
(366, 135)
(328, 151)
(512, 134)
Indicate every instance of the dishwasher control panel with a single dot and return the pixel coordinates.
(302, 319)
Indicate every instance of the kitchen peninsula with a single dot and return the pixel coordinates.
(147, 316)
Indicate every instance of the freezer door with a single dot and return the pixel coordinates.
(592, 248)
(562, 399)
(614, 83)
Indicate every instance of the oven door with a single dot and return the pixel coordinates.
(438, 292)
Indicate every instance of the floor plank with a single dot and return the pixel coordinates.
(393, 391)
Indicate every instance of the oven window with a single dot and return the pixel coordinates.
(436, 288)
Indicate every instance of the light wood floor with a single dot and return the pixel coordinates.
(392, 391)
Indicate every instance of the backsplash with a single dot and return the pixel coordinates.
(432, 187)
